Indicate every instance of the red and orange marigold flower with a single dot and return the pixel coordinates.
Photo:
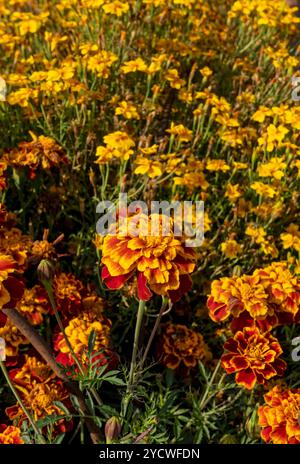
(181, 348)
(10, 435)
(279, 417)
(39, 390)
(11, 288)
(272, 293)
(161, 262)
(79, 329)
(253, 357)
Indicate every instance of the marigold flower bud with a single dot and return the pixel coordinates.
(45, 270)
(112, 429)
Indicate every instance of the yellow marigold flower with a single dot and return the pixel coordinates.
(217, 165)
(104, 154)
(206, 71)
(258, 234)
(173, 77)
(78, 332)
(134, 65)
(238, 165)
(101, 62)
(264, 189)
(279, 417)
(181, 348)
(116, 8)
(10, 435)
(272, 136)
(127, 110)
(118, 145)
(22, 96)
(231, 248)
(261, 114)
(274, 168)
(232, 192)
(182, 133)
(291, 238)
(146, 166)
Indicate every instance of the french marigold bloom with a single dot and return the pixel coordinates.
(39, 390)
(182, 348)
(13, 340)
(68, 291)
(231, 248)
(11, 288)
(34, 304)
(41, 152)
(253, 357)
(279, 417)
(3, 168)
(10, 435)
(272, 291)
(163, 261)
(78, 331)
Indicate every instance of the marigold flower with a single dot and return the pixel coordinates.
(164, 262)
(39, 390)
(42, 152)
(10, 435)
(11, 288)
(279, 417)
(181, 347)
(68, 292)
(253, 356)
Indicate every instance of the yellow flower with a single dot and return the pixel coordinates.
(134, 65)
(291, 238)
(230, 248)
(183, 134)
(206, 71)
(272, 169)
(127, 110)
(118, 145)
(274, 134)
(116, 8)
(146, 166)
(232, 192)
(217, 165)
(261, 114)
(264, 189)
(173, 77)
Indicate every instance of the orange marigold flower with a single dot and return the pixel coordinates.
(34, 304)
(11, 288)
(39, 390)
(13, 339)
(41, 152)
(279, 417)
(3, 168)
(181, 348)
(272, 291)
(68, 292)
(253, 356)
(13, 242)
(78, 331)
(10, 435)
(162, 261)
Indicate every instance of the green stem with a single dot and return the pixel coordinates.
(16, 394)
(138, 326)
